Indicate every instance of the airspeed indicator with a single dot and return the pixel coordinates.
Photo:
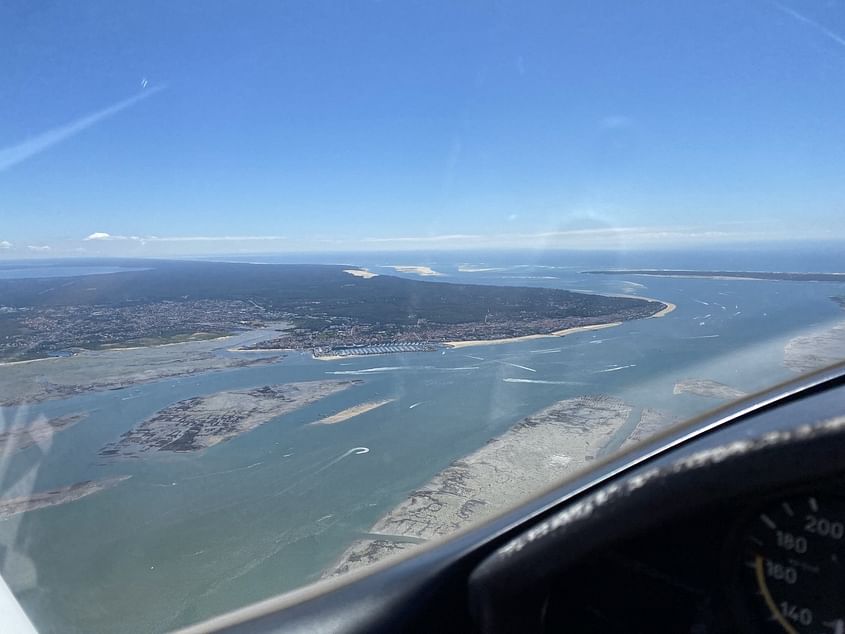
(792, 551)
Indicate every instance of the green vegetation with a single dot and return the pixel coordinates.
(169, 301)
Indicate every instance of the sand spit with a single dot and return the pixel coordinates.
(204, 421)
(55, 497)
(352, 412)
(816, 350)
(537, 451)
(665, 311)
(708, 388)
(19, 437)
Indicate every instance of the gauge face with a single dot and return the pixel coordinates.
(793, 553)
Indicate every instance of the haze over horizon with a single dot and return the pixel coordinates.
(214, 128)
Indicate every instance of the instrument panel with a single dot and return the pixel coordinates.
(792, 556)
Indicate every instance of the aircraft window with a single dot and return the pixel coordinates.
(290, 288)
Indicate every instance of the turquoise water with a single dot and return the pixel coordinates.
(189, 536)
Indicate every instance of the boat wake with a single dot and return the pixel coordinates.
(543, 381)
(617, 368)
(398, 368)
(516, 365)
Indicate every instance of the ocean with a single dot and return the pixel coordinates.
(190, 536)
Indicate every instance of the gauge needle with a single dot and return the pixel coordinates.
(770, 602)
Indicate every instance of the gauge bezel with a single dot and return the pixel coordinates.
(744, 603)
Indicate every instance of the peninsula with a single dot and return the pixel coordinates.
(204, 421)
(330, 310)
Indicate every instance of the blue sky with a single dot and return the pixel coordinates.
(160, 128)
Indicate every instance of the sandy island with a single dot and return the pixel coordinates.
(351, 412)
(708, 388)
(55, 497)
(204, 421)
(361, 273)
(425, 271)
(19, 437)
(536, 452)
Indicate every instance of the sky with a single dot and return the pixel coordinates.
(150, 128)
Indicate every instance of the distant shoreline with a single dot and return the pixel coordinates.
(727, 275)
(668, 308)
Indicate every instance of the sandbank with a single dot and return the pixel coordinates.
(528, 458)
(55, 497)
(361, 273)
(425, 271)
(351, 412)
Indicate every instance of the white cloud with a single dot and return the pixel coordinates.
(106, 237)
(444, 238)
(14, 154)
(5, 244)
(212, 238)
(38, 248)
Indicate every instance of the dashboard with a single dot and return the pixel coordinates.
(732, 522)
(763, 565)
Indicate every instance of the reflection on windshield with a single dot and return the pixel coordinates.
(286, 291)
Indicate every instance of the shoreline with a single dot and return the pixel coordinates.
(665, 311)
(5, 363)
(556, 333)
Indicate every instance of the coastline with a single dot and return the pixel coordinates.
(556, 333)
(665, 311)
(668, 308)
(5, 363)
